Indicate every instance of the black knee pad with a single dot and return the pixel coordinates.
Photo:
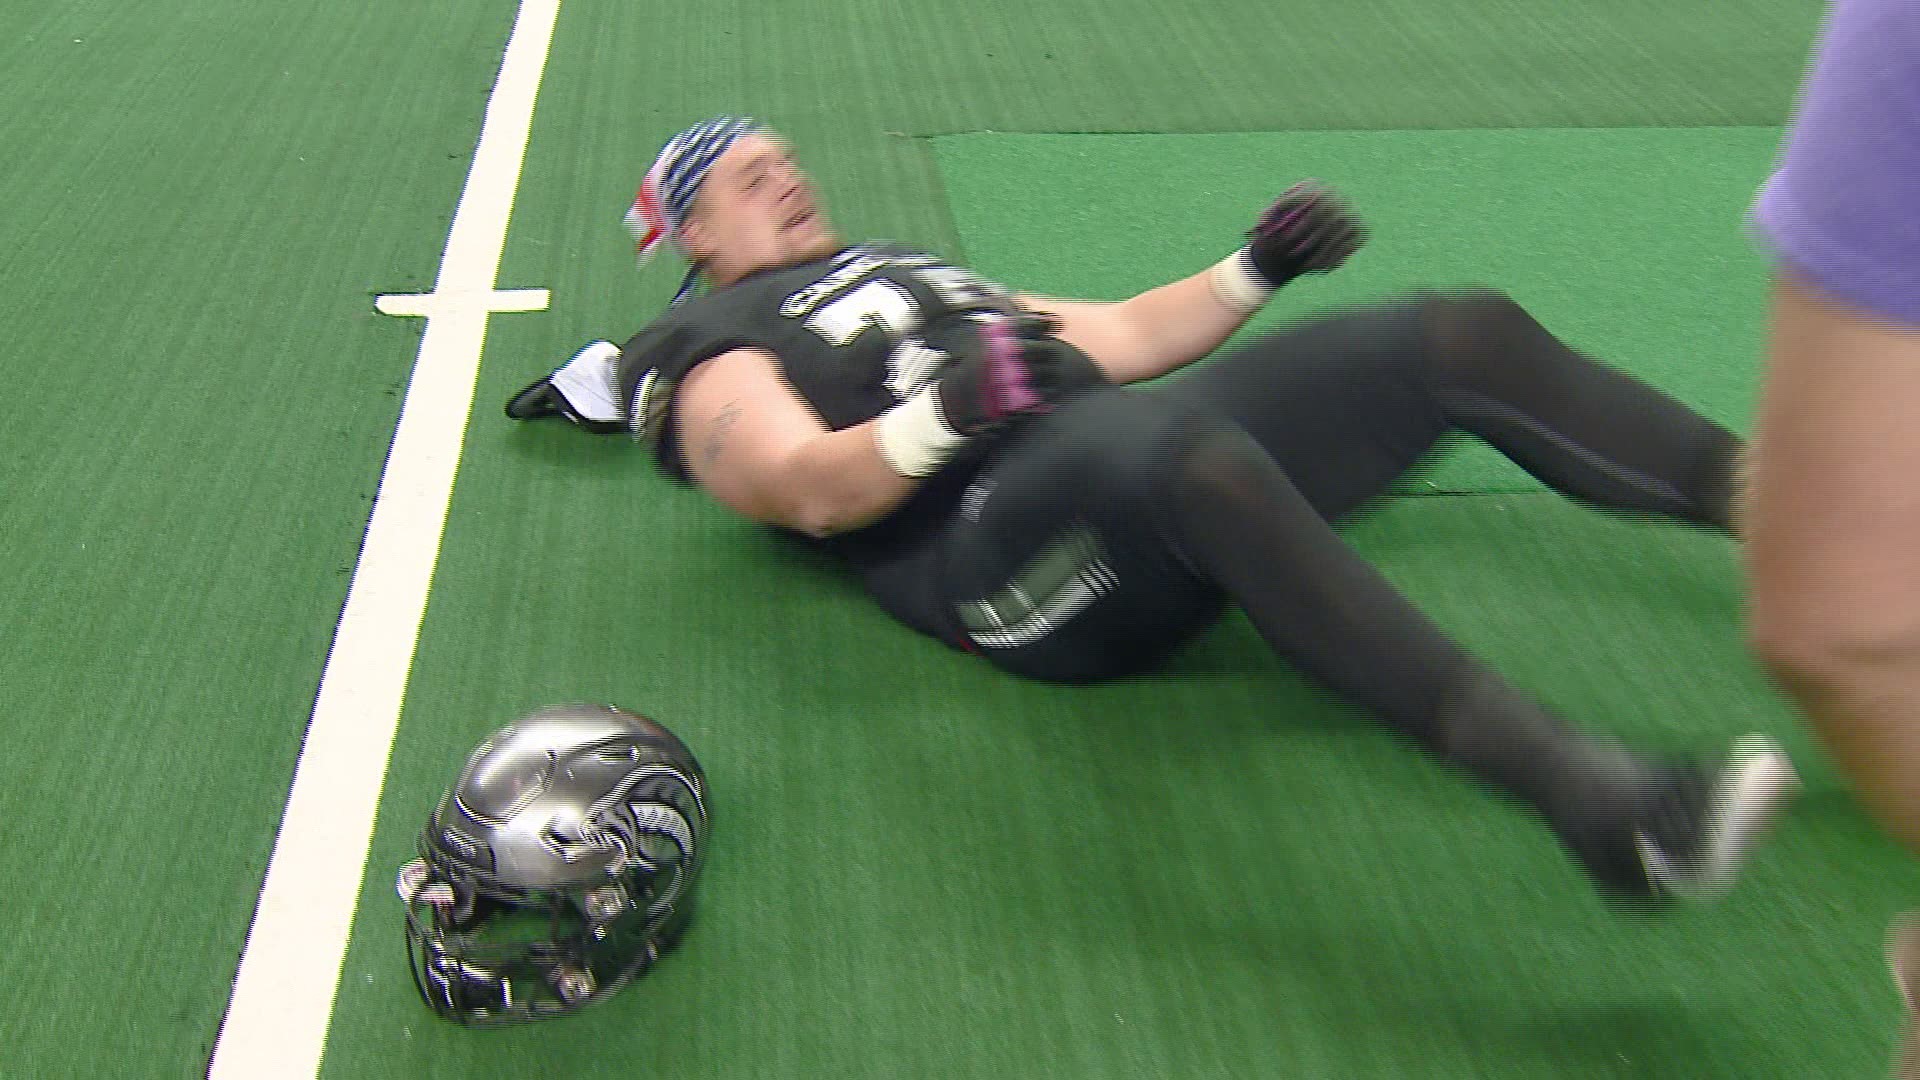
(1224, 467)
(1480, 340)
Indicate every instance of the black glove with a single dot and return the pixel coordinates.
(1001, 366)
(1308, 230)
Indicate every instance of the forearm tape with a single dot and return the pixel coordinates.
(1238, 285)
(914, 437)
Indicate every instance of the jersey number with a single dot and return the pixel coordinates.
(874, 303)
(889, 306)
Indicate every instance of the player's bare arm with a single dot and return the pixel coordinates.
(1144, 337)
(760, 450)
(1308, 230)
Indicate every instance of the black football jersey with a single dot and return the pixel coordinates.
(845, 331)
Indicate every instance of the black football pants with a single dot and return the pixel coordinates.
(1105, 535)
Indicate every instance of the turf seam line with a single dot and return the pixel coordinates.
(1202, 132)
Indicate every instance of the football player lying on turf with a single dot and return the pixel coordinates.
(990, 467)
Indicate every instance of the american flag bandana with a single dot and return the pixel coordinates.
(660, 206)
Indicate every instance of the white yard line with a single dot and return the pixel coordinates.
(276, 1021)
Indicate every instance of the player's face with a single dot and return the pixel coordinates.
(755, 211)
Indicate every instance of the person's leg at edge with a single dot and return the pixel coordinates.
(1834, 546)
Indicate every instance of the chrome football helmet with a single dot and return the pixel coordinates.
(558, 868)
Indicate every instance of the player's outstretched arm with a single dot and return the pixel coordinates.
(1148, 335)
(1307, 230)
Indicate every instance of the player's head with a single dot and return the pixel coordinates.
(727, 192)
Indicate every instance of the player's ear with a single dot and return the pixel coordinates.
(695, 237)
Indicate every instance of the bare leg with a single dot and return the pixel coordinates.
(1834, 540)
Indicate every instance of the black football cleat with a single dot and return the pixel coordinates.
(1689, 833)
(579, 391)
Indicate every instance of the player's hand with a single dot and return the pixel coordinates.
(1308, 230)
(1000, 366)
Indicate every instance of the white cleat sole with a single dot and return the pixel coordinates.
(1754, 785)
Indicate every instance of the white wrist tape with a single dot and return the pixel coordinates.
(914, 438)
(1238, 285)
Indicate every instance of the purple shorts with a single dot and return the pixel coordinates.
(1843, 207)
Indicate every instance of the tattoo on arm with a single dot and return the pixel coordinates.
(717, 430)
